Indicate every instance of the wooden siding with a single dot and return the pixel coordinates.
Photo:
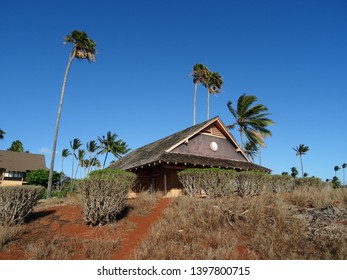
(199, 145)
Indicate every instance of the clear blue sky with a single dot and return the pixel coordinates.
(291, 54)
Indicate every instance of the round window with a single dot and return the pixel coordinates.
(214, 146)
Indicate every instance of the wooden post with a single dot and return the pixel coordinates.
(165, 184)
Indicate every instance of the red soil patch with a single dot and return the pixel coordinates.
(66, 222)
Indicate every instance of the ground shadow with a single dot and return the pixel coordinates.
(33, 216)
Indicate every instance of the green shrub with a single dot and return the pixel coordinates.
(104, 194)
(39, 177)
(214, 182)
(281, 183)
(251, 183)
(308, 183)
(16, 202)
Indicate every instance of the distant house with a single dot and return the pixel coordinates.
(14, 166)
(208, 144)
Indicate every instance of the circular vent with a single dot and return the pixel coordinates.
(214, 146)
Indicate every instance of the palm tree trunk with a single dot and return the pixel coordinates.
(302, 167)
(49, 187)
(208, 103)
(105, 160)
(194, 112)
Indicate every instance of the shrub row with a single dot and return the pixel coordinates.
(104, 194)
(16, 202)
(215, 182)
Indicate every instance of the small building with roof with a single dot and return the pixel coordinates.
(15, 165)
(205, 145)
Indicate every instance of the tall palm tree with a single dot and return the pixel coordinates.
(80, 156)
(336, 168)
(300, 151)
(109, 144)
(92, 147)
(83, 48)
(2, 133)
(199, 77)
(213, 83)
(343, 169)
(251, 150)
(75, 144)
(64, 154)
(251, 119)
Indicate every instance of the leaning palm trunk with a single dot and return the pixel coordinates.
(302, 167)
(208, 104)
(194, 113)
(49, 187)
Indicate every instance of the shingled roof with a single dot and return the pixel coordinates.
(160, 151)
(21, 162)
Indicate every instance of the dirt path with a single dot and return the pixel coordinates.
(65, 222)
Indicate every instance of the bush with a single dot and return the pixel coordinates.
(104, 194)
(251, 183)
(39, 177)
(308, 183)
(281, 183)
(214, 182)
(16, 202)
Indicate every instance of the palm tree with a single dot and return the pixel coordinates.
(336, 168)
(213, 83)
(251, 119)
(83, 48)
(199, 76)
(92, 147)
(300, 151)
(109, 144)
(251, 150)
(80, 156)
(64, 154)
(75, 144)
(294, 172)
(2, 133)
(343, 169)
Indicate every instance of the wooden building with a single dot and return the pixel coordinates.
(14, 166)
(205, 145)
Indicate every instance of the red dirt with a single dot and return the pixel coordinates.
(66, 221)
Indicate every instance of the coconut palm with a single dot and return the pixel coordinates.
(251, 119)
(83, 48)
(199, 76)
(294, 172)
(300, 151)
(64, 154)
(109, 144)
(251, 150)
(80, 156)
(92, 147)
(2, 133)
(336, 168)
(343, 169)
(213, 82)
(74, 144)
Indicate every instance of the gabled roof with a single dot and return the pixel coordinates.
(21, 162)
(160, 151)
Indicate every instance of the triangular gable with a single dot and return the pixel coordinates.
(215, 127)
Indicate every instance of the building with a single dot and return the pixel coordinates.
(208, 144)
(14, 166)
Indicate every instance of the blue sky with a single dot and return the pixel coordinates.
(291, 54)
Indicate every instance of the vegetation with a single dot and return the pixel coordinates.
(251, 120)
(16, 202)
(104, 195)
(300, 151)
(199, 76)
(2, 133)
(83, 48)
(39, 177)
(17, 146)
(213, 83)
(64, 154)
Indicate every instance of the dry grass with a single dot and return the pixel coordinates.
(307, 224)
(144, 203)
(8, 234)
(62, 248)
